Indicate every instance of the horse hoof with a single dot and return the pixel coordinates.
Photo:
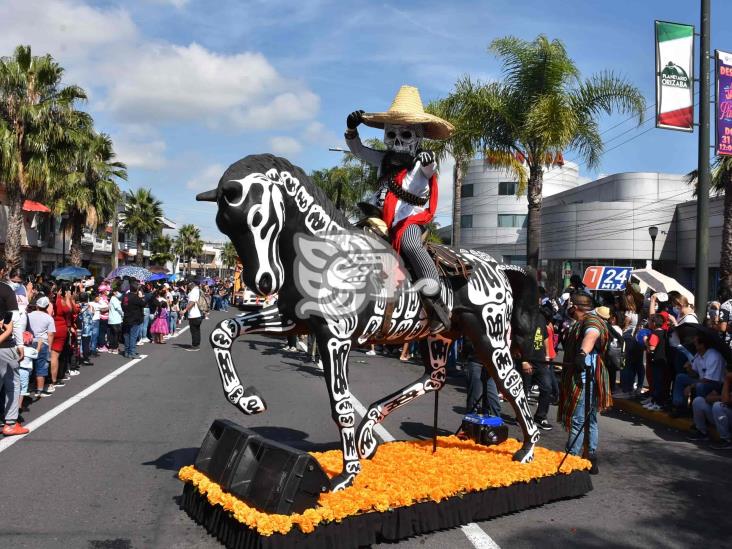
(525, 454)
(341, 482)
(251, 402)
(367, 445)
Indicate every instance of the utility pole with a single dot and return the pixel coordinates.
(115, 238)
(702, 202)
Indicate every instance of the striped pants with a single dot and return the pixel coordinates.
(416, 256)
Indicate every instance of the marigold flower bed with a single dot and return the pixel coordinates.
(401, 474)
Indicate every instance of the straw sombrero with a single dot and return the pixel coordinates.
(407, 109)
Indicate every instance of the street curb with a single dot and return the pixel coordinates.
(661, 418)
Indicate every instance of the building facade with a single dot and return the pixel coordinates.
(493, 218)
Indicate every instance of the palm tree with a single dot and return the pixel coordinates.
(229, 255)
(37, 133)
(162, 250)
(722, 184)
(461, 147)
(143, 215)
(89, 195)
(541, 109)
(188, 243)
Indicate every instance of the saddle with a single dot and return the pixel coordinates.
(447, 261)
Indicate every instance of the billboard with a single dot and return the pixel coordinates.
(674, 76)
(723, 143)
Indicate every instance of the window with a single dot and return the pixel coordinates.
(507, 188)
(466, 221)
(512, 220)
(466, 191)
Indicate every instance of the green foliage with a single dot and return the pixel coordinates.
(229, 255)
(39, 133)
(143, 216)
(350, 182)
(188, 244)
(162, 250)
(541, 107)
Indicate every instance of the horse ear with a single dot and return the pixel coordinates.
(208, 196)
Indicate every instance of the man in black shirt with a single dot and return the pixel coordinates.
(532, 367)
(9, 356)
(132, 306)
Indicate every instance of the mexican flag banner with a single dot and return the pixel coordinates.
(674, 76)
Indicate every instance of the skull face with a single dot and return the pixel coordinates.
(404, 139)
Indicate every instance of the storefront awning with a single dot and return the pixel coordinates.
(32, 206)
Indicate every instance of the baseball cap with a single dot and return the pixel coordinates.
(42, 302)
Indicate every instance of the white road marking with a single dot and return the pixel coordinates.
(478, 537)
(472, 531)
(7, 442)
(183, 329)
(379, 429)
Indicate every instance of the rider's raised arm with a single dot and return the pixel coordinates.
(360, 151)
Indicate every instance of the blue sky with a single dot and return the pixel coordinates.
(186, 87)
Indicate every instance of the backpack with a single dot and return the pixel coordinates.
(202, 303)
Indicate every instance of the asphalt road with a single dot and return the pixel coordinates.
(101, 473)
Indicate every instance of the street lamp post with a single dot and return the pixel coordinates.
(653, 231)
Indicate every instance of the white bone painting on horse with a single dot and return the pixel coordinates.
(347, 287)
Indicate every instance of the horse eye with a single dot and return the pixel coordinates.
(391, 135)
(407, 135)
(256, 219)
(232, 191)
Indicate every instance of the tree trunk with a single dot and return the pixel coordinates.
(14, 235)
(190, 265)
(77, 230)
(457, 180)
(533, 231)
(725, 260)
(138, 255)
(115, 239)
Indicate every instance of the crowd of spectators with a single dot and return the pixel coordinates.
(51, 329)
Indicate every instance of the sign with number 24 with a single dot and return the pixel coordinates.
(609, 279)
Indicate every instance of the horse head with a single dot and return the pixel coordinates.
(251, 212)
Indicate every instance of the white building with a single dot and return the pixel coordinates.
(493, 218)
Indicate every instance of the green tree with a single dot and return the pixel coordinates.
(188, 243)
(143, 216)
(229, 255)
(541, 109)
(89, 194)
(462, 148)
(162, 249)
(38, 123)
(722, 184)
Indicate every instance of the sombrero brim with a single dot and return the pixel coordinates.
(434, 126)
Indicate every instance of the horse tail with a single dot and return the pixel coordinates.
(526, 316)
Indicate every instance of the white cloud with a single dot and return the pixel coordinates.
(148, 155)
(175, 3)
(285, 146)
(67, 29)
(317, 134)
(138, 80)
(206, 179)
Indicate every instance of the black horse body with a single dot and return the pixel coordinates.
(337, 283)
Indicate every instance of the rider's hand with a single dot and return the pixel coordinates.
(354, 119)
(425, 157)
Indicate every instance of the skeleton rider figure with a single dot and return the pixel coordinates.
(406, 199)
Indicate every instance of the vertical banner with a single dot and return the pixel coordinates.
(724, 103)
(674, 76)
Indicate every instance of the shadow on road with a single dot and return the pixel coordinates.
(175, 459)
(422, 430)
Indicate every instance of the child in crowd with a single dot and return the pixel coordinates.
(30, 352)
(85, 325)
(159, 328)
(43, 327)
(173, 315)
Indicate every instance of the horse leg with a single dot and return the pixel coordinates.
(495, 356)
(434, 354)
(334, 353)
(223, 337)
